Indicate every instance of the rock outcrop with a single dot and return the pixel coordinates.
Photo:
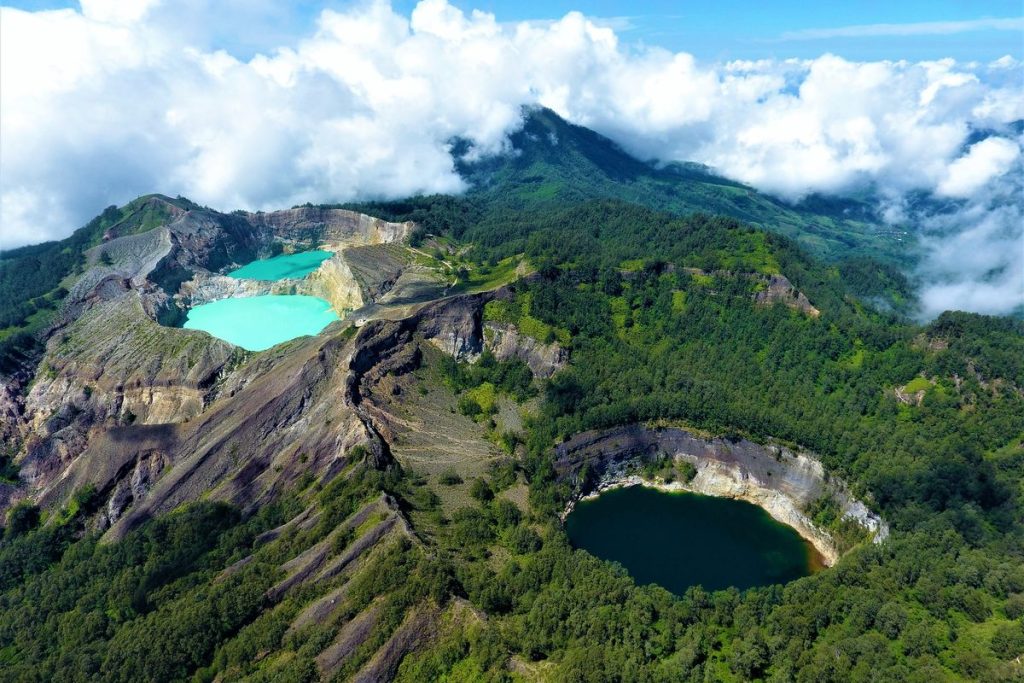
(337, 226)
(289, 418)
(131, 487)
(910, 398)
(506, 342)
(783, 482)
(780, 290)
(770, 289)
(11, 410)
(206, 287)
(112, 366)
(454, 325)
(334, 282)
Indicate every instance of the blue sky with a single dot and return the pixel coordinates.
(746, 29)
(712, 31)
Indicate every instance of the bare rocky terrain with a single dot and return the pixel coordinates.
(112, 368)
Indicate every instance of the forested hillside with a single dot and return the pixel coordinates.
(554, 167)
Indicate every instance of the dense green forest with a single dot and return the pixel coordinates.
(652, 341)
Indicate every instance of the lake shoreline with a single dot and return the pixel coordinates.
(678, 539)
(784, 482)
(824, 550)
(295, 266)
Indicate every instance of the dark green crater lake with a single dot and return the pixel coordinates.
(678, 540)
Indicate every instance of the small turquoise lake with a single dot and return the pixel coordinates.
(281, 267)
(678, 540)
(258, 322)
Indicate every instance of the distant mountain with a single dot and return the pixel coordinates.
(555, 162)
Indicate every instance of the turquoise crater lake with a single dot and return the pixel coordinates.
(258, 322)
(678, 540)
(281, 267)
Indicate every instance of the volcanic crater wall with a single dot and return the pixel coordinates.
(781, 481)
(115, 360)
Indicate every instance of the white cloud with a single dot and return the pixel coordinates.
(1005, 62)
(974, 258)
(985, 160)
(117, 11)
(122, 99)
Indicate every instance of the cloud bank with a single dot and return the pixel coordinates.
(120, 99)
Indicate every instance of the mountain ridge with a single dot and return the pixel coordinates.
(553, 161)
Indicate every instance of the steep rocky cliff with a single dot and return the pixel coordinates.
(338, 226)
(122, 395)
(200, 419)
(779, 289)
